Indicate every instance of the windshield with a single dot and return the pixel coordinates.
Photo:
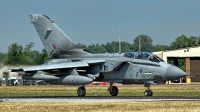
(153, 58)
(159, 58)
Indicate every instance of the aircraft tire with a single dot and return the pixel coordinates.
(148, 93)
(151, 93)
(81, 91)
(114, 91)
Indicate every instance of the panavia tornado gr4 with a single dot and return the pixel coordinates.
(70, 64)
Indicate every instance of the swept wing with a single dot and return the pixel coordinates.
(43, 67)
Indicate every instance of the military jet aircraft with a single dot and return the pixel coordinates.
(70, 64)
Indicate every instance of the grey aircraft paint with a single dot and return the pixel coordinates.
(71, 65)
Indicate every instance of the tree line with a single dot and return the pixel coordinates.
(146, 44)
(19, 55)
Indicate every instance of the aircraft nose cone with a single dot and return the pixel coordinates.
(174, 72)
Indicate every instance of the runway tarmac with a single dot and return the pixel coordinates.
(95, 99)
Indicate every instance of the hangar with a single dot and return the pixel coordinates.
(191, 57)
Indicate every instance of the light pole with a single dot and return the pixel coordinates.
(139, 44)
(119, 44)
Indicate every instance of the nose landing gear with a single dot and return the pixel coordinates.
(148, 92)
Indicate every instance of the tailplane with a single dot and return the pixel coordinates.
(55, 41)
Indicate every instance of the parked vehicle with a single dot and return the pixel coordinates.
(12, 81)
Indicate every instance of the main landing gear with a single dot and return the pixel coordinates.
(81, 91)
(113, 90)
(148, 92)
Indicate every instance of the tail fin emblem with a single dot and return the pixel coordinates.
(34, 18)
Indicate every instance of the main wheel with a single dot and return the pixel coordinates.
(148, 93)
(114, 91)
(81, 91)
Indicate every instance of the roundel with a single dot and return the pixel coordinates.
(140, 70)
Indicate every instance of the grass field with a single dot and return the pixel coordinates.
(162, 106)
(130, 90)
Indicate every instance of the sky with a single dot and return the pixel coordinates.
(100, 21)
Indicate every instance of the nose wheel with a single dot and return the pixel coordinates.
(81, 91)
(148, 92)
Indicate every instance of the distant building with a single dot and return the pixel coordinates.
(191, 55)
(6, 74)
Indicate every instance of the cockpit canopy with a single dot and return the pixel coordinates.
(143, 55)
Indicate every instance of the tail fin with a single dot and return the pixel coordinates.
(53, 38)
